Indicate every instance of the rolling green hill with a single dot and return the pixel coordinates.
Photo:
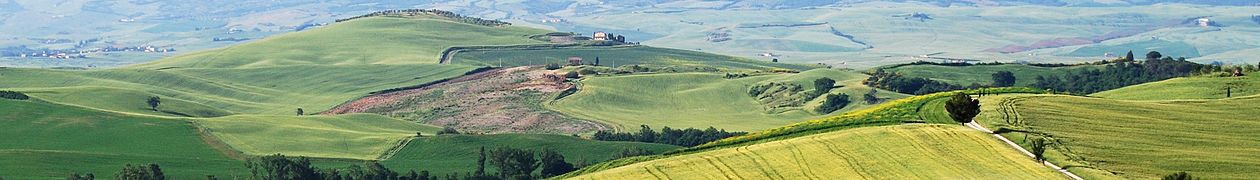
(1199, 87)
(375, 40)
(901, 111)
(446, 154)
(220, 92)
(888, 152)
(1108, 139)
(49, 141)
(698, 100)
(616, 56)
(983, 74)
(355, 136)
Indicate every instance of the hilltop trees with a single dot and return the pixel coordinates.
(1118, 75)
(1003, 79)
(1153, 55)
(962, 108)
(13, 95)
(140, 172)
(1129, 57)
(897, 82)
(680, 137)
(154, 101)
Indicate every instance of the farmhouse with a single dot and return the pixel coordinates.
(600, 36)
(574, 61)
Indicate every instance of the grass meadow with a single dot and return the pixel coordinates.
(375, 40)
(49, 141)
(354, 136)
(698, 100)
(1112, 139)
(914, 151)
(1197, 87)
(220, 92)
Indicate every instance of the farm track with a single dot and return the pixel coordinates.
(977, 126)
(448, 55)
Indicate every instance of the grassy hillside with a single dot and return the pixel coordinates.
(1203, 87)
(447, 154)
(698, 100)
(219, 92)
(376, 40)
(356, 136)
(889, 152)
(1097, 138)
(49, 141)
(616, 56)
(983, 74)
(906, 110)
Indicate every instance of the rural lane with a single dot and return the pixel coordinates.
(974, 125)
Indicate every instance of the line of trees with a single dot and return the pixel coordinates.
(1117, 75)
(13, 95)
(681, 137)
(448, 14)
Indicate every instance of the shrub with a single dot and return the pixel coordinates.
(1039, 149)
(141, 172)
(1179, 176)
(13, 95)
(552, 66)
(448, 130)
(572, 75)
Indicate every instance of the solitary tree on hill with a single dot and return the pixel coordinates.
(962, 108)
(823, 85)
(1039, 149)
(300, 112)
(1129, 57)
(154, 101)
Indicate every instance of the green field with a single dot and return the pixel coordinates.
(376, 40)
(698, 100)
(356, 136)
(888, 152)
(1096, 137)
(616, 56)
(447, 154)
(219, 92)
(983, 74)
(49, 141)
(1199, 87)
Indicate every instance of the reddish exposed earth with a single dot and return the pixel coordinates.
(506, 100)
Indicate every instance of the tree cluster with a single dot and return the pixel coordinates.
(511, 163)
(139, 172)
(1118, 75)
(832, 102)
(871, 97)
(14, 95)
(909, 85)
(447, 14)
(1003, 79)
(1179, 176)
(681, 137)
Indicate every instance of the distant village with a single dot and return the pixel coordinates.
(22, 52)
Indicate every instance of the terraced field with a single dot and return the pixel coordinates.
(1108, 139)
(355, 136)
(48, 141)
(375, 40)
(1202, 87)
(890, 152)
(617, 56)
(219, 92)
(698, 100)
(983, 74)
(457, 154)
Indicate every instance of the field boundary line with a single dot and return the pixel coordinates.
(976, 126)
